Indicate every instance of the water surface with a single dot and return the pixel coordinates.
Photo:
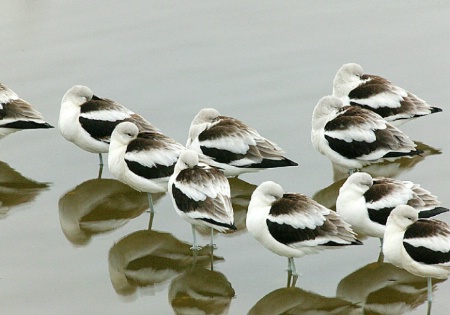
(66, 240)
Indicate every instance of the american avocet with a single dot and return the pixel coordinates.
(373, 92)
(421, 246)
(201, 195)
(17, 114)
(232, 145)
(352, 136)
(294, 225)
(143, 160)
(365, 202)
(88, 120)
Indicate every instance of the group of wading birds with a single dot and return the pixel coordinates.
(354, 127)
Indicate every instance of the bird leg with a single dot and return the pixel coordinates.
(211, 243)
(292, 272)
(352, 170)
(150, 221)
(100, 170)
(212, 257)
(289, 278)
(194, 247)
(430, 297)
(381, 255)
(152, 210)
(150, 202)
(194, 258)
(430, 290)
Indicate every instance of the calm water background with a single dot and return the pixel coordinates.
(264, 62)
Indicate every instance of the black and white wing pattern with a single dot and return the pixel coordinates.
(391, 102)
(421, 246)
(297, 221)
(152, 155)
(233, 145)
(99, 117)
(376, 93)
(356, 133)
(387, 193)
(427, 241)
(17, 114)
(353, 137)
(88, 120)
(142, 160)
(201, 193)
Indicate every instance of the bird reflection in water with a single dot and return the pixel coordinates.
(241, 193)
(16, 190)
(391, 168)
(382, 288)
(293, 300)
(99, 206)
(146, 259)
(200, 291)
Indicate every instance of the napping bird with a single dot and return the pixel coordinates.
(294, 225)
(373, 92)
(88, 121)
(352, 137)
(365, 202)
(421, 246)
(232, 145)
(143, 160)
(201, 195)
(17, 114)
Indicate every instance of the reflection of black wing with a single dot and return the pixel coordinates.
(384, 286)
(97, 206)
(200, 291)
(294, 300)
(16, 189)
(327, 196)
(148, 257)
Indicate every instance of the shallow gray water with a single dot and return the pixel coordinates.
(264, 62)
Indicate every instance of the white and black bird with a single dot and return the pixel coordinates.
(352, 137)
(421, 246)
(365, 202)
(373, 92)
(232, 145)
(294, 225)
(88, 121)
(143, 160)
(201, 195)
(17, 114)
